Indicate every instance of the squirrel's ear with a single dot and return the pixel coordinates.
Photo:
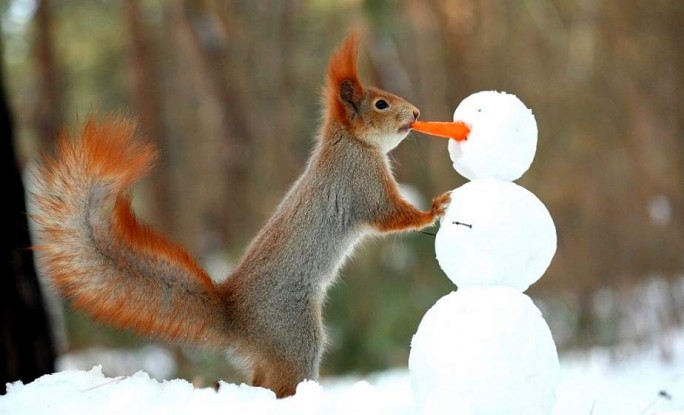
(343, 88)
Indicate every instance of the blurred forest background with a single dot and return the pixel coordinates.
(229, 90)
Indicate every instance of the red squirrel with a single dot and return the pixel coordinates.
(268, 312)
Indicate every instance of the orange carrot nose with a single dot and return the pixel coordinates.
(455, 130)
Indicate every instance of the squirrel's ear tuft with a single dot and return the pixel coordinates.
(343, 88)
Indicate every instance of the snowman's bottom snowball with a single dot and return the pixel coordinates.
(484, 351)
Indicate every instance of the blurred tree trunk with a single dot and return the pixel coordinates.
(48, 109)
(26, 346)
(148, 102)
(676, 33)
(220, 69)
(443, 77)
(197, 130)
(276, 85)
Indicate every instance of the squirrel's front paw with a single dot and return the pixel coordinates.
(440, 203)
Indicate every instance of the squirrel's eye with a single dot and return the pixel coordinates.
(381, 104)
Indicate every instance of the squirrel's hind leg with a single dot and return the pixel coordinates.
(279, 377)
(283, 375)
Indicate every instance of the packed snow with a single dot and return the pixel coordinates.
(627, 380)
(503, 137)
(495, 232)
(484, 350)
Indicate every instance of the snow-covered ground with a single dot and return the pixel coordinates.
(622, 381)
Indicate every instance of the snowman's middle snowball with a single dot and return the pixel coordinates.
(495, 233)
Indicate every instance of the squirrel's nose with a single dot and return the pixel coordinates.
(416, 114)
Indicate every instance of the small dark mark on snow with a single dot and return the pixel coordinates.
(464, 224)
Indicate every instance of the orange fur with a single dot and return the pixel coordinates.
(145, 239)
(342, 71)
(104, 162)
(405, 216)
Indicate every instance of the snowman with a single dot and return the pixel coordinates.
(485, 349)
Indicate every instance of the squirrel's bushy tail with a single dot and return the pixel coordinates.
(97, 254)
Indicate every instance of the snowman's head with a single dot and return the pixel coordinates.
(502, 140)
(495, 232)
